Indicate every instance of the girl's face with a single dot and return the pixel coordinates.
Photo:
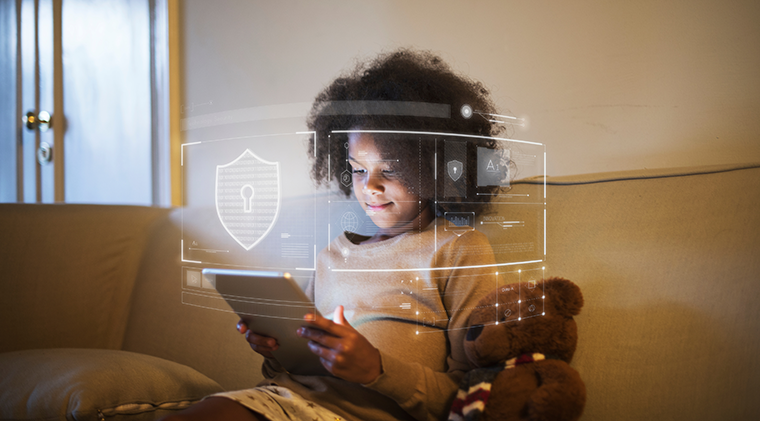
(387, 201)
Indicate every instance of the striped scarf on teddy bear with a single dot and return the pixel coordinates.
(475, 388)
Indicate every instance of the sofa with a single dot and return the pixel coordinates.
(92, 326)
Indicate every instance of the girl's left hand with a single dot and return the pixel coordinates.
(342, 349)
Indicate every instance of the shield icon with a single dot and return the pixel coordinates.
(248, 197)
(455, 169)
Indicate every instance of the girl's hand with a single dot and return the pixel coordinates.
(264, 345)
(343, 351)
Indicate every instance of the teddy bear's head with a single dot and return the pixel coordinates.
(525, 318)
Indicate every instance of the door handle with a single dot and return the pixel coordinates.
(43, 121)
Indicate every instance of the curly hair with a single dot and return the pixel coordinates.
(406, 90)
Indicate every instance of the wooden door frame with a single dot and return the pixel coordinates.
(166, 100)
(159, 99)
(59, 193)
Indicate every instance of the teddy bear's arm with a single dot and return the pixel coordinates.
(561, 393)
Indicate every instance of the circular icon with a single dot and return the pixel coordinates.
(466, 111)
(532, 308)
(349, 222)
(507, 313)
(345, 178)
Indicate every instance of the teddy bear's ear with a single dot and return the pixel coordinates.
(565, 294)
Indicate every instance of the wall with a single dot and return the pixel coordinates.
(606, 85)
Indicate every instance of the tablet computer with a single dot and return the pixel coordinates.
(271, 304)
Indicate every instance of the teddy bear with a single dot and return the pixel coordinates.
(522, 337)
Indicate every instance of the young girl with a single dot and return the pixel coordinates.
(400, 298)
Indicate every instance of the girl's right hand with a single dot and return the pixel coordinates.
(264, 345)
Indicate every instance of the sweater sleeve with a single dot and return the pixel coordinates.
(271, 368)
(422, 392)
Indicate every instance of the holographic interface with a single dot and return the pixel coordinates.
(250, 203)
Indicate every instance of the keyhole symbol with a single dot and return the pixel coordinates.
(246, 192)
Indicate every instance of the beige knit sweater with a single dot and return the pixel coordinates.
(410, 296)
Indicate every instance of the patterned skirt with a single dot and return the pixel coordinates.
(280, 404)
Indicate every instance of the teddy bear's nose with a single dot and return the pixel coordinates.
(473, 332)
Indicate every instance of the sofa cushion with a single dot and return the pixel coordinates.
(93, 384)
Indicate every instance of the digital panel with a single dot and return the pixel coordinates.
(250, 203)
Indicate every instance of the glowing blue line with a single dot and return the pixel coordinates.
(182, 253)
(315, 139)
(499, 115)
(436, 134)
(505, 122)
(432, 269)
(182, 152)
(243, 137)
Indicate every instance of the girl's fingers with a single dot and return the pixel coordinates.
(262, 348)
(331, 359)
(328, 326)
(261, 341)
(242, 327)
(320, 337)
(322, 351)
(339, 317)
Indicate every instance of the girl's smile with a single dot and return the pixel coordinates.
(377, 208)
